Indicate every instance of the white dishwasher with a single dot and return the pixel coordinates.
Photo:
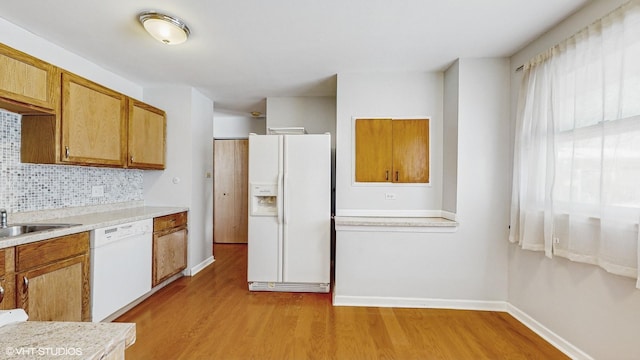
(120, 266)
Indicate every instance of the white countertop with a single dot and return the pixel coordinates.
(393, 221)
(408, 224)
(86, 221)
(65, 340)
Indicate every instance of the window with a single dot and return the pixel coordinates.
(576, 177)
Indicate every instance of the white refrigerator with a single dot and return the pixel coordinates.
(289, 245)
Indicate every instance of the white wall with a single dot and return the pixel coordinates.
(414, 268)
(229, 126)
(317, 114)
(393, 95)
(450, 139)
(184, 181)
(595, 311)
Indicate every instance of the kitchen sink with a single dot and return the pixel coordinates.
(22, 229)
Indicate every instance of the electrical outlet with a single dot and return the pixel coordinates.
(97, 191)
(389, 196)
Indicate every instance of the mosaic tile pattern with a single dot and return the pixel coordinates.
(30, 187)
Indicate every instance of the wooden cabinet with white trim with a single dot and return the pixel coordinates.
(392, 150)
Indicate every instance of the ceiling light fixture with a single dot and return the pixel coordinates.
(164, 28)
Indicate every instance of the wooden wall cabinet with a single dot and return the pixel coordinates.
(146, 136)
(52, 278)
(390, 150)
(93, 123)
(7, 280)
(27, 85)
(67, 119)
(88, 129)
(230, 188)
(170, 237)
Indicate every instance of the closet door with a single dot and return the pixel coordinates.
(230, 189)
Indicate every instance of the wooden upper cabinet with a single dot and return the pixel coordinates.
(146, 136)
(27, 85)
(373, 150)
(392, 150)
(411, 151)
(67, 119)
(93, 123)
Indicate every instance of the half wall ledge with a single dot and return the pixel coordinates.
(395, 224)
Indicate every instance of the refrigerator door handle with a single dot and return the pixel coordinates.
(279, 198)
(285, 202)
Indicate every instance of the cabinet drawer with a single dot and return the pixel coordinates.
(169, 221)
(6, 261)
(44, 252)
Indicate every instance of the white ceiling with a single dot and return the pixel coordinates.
(243, 51)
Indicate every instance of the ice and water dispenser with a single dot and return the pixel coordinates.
(264, 199)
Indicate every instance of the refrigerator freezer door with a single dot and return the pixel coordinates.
(307, 208)
(265, 232)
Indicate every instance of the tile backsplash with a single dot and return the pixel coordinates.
(31, 187)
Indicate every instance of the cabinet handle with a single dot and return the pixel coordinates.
(66, 152)
(397, 175)
(1, 293)
(26, 283)
(131, 158)
(386, 176)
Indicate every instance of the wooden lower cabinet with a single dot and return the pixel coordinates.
(52, 279)
(170, 237)
(7, 281)
(53, 292)
(7, 293)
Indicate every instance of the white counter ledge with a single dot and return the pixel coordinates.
(65, 340)
(87, 220)
(403, 224)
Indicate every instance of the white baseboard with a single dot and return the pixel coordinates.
(554, 339)
(199, 267)
(341, 300)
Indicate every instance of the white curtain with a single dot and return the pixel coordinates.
(576, 176)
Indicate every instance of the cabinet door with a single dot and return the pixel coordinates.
(146, 136)
(28, 81)
(7, 282)
(169, 254)
(54, 292)
(7, 293)
(93, 123)
(230, 191)
(373, 150)
(411, 151)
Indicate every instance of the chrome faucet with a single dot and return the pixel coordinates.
(3, 218)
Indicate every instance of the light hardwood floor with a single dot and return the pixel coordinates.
(213, 316)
